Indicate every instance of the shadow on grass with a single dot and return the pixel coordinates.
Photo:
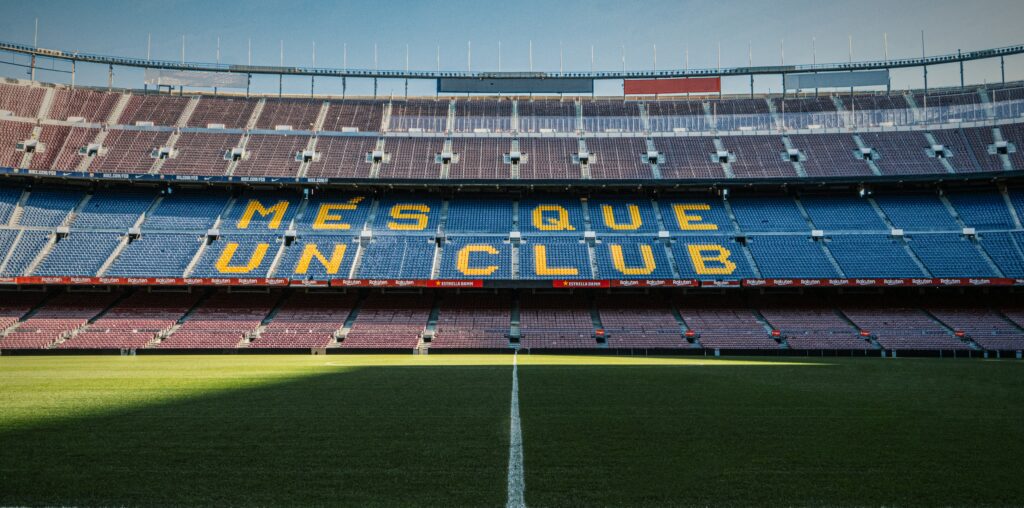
(392, 436)
(872, 432)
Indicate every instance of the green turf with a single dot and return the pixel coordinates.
(433, 431)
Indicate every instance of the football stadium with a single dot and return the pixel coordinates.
(791, 273)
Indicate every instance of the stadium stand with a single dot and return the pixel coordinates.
(555, 322)
(903, 328)
(639, 321)
(232, 113)
(89, 105)
(56, 320)
(473, 321)
(134, 322)
(221, 321)
(388, 321)
(727, 327)
(306, 320)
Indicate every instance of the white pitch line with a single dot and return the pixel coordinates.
(516, 482)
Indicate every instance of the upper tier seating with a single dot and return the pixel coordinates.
(129, 151)
(272, 155)
(232, 113)
(361, 115)
(342, 157)
(412, 158)
(689, 158)
(201, 154)
(494, 116)
(618, 158)
(299, 114)
(418, 114)
(547, 115)
(162, 110)
(480, 159)
(61, 145)
(22, 101)
(94, 107)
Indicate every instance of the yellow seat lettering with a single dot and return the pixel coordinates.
(634, 218)
(255, 207)
(540, 261)
(462, 260)
(227, 255)
(688, 222)
(326, 219)
(619, 261)
(702, 254)
(409, 212)
(558, 222)
(311, 252)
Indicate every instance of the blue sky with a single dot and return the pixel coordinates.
(121, 27)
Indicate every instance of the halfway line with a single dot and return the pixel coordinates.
(516, 482)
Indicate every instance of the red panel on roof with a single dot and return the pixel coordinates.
(673, 85)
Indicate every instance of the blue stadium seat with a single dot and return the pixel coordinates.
(397, 257)
(872, 256)
(113, 210)
(950, 255)
(25, 251)
(566, 258)
(480, 263)
(917, 212)
(1005, 251)
(622, 216)
(982, 209)
(790, 256)
(709, 248)
(9, 197)
(316, 269)
(49, 207)
(842, 213)
(79, 253)
(186, 211)
(156, 255)
(632, 263)
(479, 215)
(769, 214)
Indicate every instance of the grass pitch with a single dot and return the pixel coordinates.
(433, 431)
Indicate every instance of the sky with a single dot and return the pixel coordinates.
(771, 29)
